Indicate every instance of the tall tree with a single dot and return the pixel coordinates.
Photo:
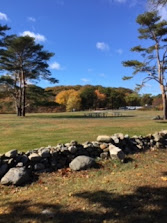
(154, 63)
(24, 60)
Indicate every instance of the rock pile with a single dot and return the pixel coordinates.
(18, 167)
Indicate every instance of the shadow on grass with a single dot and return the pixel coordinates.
(146, 205)
(77, 117)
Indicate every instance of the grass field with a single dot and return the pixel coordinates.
(132, 192)
(36, 130)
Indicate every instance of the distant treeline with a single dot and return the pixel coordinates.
(88, 97)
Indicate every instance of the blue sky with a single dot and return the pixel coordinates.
(90, 38)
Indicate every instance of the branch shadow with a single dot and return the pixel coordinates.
(146, 205)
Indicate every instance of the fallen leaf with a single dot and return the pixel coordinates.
(164, 178)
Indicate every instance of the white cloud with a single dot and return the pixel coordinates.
(32, 19)
(119, 51)
(162, 11)
(85, 80)
(102, 46)
(38, 37)
(55, 66)
(3, 16)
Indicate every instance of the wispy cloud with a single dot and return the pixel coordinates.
(85, 80)
(55, 66)
(3, 16)
(102, 46)
(162, 11)
(119, 51)
(38, 37)
(32, 19)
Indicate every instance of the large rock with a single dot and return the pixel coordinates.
(11, 153)
(104, 138)
(116, 153)
(82, 163)
(16, 176)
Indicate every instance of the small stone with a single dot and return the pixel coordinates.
(34, 157)
(73, 143)
(39, 166)
(24, 159)
(115, 139)
(104, 155)
(3, 170)
(72, 149)
(20, 164)
(44, 152)
(11, 153)
(103, 146)
(116, 153)
(48, 213)
(104, 138)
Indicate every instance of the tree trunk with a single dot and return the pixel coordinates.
(23, 93)
(164, 101)
(23, 100)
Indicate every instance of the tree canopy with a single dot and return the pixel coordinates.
(24, 61)
(154, 63)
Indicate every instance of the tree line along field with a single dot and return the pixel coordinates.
(61, 98)
(38, 130)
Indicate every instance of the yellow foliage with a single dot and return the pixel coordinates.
(70, 98)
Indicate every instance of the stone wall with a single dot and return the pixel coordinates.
(18, 167)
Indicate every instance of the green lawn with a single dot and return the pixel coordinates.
(36, 130)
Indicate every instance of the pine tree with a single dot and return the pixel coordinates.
(154, 63)
(24, 60)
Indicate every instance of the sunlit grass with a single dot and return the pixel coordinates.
(36, 130)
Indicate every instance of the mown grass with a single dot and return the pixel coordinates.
(135, 191)
(36, 130)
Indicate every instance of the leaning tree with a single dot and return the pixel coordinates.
(24, 60)
(154, 63)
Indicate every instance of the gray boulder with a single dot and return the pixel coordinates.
(16, 176)
(116, 153)
(11, 154)
(82, 163)
(104, 138)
